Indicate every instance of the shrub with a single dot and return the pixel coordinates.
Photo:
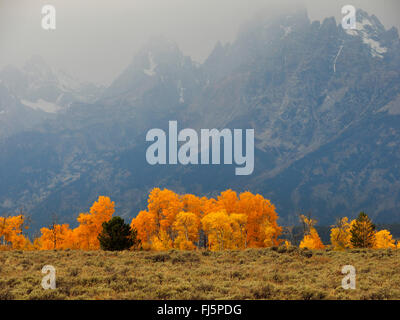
(263, 292)
(306, 253)
(160, 257)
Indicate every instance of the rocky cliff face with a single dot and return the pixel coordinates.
(324, 103)
(35, 93)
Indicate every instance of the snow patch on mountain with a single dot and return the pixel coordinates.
(376, 49)
(151, 70)
(181, 91)
(66, 81)
(42, 105)
(287, 30)
(365, 30)
(393, 107)
(337, 56)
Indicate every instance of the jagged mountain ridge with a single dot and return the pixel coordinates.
(324, 103)
(39, 86)
(36, 92)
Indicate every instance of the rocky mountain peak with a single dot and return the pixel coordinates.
(38, 70)
(311, 92)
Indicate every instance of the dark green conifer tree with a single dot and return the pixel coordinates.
(117, 235)
(363, 232)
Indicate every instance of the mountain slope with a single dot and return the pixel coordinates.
(324, 103)
(38, 92)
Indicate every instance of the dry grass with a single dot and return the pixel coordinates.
(274, 273)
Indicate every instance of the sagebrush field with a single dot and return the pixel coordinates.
(272, 273)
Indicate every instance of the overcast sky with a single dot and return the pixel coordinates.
(96, 39)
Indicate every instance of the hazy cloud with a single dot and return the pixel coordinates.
(96, 39)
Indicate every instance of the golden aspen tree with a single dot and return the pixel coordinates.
(20, 242)
(9, 227)
(384, 240)
(269, 234)
(161, 242)
(56, 237)
(262, 227)
(312, 241)
(228, 201)
(191, 203)
(186, 225)
(238, 224)
(287, 244)
(11, 233)
(218, 229)
(311, 238)
(211, 205)
(91, 223)
(164, 205)
(145, 224)
(341, 235)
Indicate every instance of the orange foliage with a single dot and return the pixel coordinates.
(384, 240)
(91, 223)
(84, 236)
(186, 222)
(229, 222)
(218, 229)
(187, 226)
(311, 238)
(56, 237)
(11, 233)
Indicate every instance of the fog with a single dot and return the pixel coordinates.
(96, 39)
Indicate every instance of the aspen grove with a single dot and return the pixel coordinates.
(186, 222)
